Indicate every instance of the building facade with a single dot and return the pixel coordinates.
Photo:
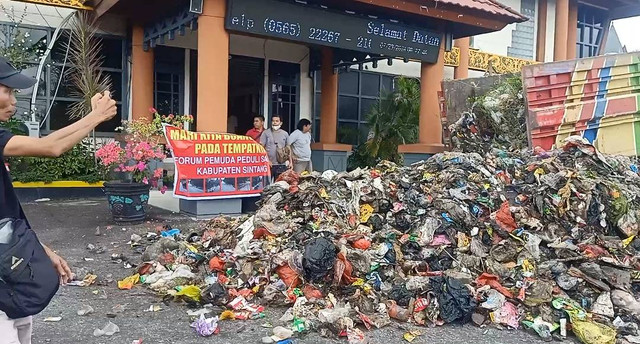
(213, 58)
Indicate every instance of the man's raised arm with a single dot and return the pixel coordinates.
(60, 141)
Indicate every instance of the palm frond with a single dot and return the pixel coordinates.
(85, 75)
(392, 121)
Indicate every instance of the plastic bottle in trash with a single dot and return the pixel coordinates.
(397, 312)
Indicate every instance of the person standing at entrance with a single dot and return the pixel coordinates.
(300, 143)
(258, 128)
(17, 329)
(273, 139)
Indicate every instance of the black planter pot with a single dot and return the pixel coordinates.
(127, 201)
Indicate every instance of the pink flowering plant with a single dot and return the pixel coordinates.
(135, 159)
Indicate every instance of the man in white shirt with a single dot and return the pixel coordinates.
(300, 143)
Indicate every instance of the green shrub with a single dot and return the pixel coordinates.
(393, 121)
(15, 126)
(78, 164)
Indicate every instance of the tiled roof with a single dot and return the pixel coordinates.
(487, 6)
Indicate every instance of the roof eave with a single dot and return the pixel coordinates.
(100, 7)
(624, 12)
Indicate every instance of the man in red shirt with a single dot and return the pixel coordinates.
(258, 128)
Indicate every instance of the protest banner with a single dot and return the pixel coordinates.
(216, 165)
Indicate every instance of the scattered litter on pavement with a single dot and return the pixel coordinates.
(88, 280)
(129, 282)
(52, 319)
(96, 249)
(206, 327)
(85, 310)
(411, 335)
(153, 308)
(109, 330)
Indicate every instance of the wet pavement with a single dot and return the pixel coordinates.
(69, 226)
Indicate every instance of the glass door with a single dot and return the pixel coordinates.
(284, 80)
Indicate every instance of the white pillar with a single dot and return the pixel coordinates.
(306, 90)
(266, 97)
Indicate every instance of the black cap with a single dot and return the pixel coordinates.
(12, 78)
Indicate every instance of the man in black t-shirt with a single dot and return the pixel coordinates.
(53, 145)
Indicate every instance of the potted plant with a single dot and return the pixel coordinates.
(179, 121)
(136, 161)
(152, 127)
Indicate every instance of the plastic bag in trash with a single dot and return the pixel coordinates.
(494, 301)
(288, 276)
(506, 315)
(626, 301)
(319, 257)
(603, 305)
(401, 295)
(454, 299)
(542, 328)
(593, 333)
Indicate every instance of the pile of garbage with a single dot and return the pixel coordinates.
(545, 241)
(495, 119)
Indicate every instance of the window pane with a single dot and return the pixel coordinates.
(175, 104)
(19, 44)
(579, 33)
(348, 133)
(59, 49)
(163, 86)
(347, 107)
(586, 34)
(586, 51)
(387, 84)
(370, 84)
(317, 78)
(165, 77)
(65, 89)
(367, 105)
(110, 126)
(31, 70)
(23, 112)
(316, 131)
(348, 83)
(317, 106)
(364, 132)
(112, 53)
(163, 102)
(59, 117)
(597, 35)
(116, 85)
